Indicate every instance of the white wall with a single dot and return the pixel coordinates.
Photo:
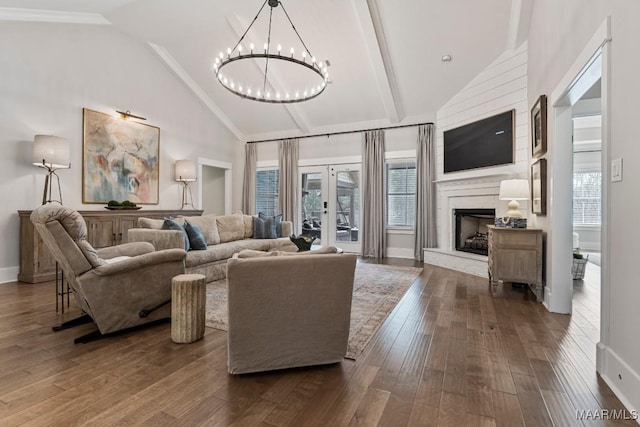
(559, 31)
(48, 73)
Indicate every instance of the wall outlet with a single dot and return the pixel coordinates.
(616, 170)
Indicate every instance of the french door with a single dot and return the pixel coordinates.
(330, 205)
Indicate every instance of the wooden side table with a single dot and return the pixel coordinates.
(515, 255)
(188, 297)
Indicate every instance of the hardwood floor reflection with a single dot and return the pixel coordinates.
(454, 352)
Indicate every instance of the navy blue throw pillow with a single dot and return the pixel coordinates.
(276, 224)
(172, 224)
(263, 228)
(196, 238)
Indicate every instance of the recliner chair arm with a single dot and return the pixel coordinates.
(140, 261)
(126, 249)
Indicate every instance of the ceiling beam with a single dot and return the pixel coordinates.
(274, 76)
(196, 89)
(64, 17)
(368, 17)
(519, 22)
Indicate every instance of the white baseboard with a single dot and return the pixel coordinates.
(400, 253)
(619, 376)
(9, 274)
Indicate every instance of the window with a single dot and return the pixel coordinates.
(401, 194)
(267, 191)
(586, 198)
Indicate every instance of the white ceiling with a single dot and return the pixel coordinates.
(385, 55)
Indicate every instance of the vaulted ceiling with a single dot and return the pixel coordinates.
(385, 55)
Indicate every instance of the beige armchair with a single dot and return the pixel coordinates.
(288, 310)
(119, 287)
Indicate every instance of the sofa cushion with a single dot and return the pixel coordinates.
(248, 226)
(196, 239)
(276, 224)
(155, 224)
(263, 228)
(172, 224)
(250, 253)
(230, 227)
(226, 250)
(208, 226)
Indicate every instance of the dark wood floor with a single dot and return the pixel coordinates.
(454, 352)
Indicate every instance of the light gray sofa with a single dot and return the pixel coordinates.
(288, 310)
(225, 235)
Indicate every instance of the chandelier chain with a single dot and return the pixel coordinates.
(266, 62)
(295, 30)
(250, 25)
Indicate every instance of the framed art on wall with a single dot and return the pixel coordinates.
(539, 187)
(120, 159)
(539, 127)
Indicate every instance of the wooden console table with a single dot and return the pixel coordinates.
(515, 255)
(104, 228)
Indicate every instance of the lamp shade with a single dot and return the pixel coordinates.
(51, 151)
(514, 189)
(185, 170)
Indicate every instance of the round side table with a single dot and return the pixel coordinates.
(188, 297)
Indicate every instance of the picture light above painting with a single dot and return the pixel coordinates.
(485, 143)
(120, 159)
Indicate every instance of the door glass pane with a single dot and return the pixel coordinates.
(312, 204)
(347, 206)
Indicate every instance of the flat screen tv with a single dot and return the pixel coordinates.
(485, 143)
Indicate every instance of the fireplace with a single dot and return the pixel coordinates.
(471, 229)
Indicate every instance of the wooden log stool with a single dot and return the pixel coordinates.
(188, 296)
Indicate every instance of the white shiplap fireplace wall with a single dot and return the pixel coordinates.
(502, 86)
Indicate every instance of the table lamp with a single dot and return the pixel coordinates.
(51, 153)
(186, 173)
(514, 190)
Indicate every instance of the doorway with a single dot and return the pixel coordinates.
(591, 65)
(330, 205)
(214, 191)
(587, 208)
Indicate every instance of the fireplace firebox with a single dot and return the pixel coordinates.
(471, 229)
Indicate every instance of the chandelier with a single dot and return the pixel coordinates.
(298, 76)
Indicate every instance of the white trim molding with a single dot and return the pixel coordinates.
(55, 16)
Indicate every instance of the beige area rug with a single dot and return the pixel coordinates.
(376, 291)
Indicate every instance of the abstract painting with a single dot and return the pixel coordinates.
(120, 159)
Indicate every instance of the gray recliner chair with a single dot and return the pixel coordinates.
(119, 287)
